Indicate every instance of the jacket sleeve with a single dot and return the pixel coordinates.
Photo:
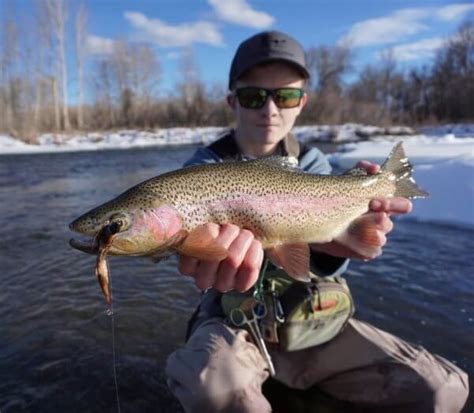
(315, 162)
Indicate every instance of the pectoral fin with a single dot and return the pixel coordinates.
(292, 258)
(201, 245)
(362, 235)
(366, 230)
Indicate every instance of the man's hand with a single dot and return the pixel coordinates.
(379, 216)
(238, 271)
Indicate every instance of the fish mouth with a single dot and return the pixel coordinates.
(90, 246)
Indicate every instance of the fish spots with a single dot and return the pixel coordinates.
(272, 201)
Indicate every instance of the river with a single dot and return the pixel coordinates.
(56, 352)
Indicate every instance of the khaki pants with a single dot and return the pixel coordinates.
(221, 370)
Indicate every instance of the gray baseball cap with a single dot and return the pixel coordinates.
(270, 46)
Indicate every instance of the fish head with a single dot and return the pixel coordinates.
(94, 220)
(140, 228)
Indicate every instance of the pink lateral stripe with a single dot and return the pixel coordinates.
(272, 204)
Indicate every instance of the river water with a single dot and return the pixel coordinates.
(56, 338)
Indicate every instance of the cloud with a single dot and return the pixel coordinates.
(454, 11)
(241, 13)
(401, 24)
(418, 50)
(386, 30)
(172, 55)
(99, 45)
(166, 35)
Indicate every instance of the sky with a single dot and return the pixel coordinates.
(413, 30)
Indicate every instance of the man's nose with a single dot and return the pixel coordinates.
(270, 108)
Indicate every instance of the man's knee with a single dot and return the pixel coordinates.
(218, 370)
(451, 395)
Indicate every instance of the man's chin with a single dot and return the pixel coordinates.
(270, 135)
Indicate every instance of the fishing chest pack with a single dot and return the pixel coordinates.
(299, 314)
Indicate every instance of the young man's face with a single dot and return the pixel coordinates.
(266, 126)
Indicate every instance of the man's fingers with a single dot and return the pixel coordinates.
(391, 206)
(225, 276)
(370, 167)
(250, 268)
(382, 221)
(205, 273)
(214, 229)
(187, 265)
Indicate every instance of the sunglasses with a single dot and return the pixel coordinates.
(256, 97)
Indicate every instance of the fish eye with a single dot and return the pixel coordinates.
(120, 220)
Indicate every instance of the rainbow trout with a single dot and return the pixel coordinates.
(284, 207)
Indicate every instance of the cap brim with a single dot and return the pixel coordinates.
(297, 66)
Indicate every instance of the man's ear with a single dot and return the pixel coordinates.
(231, 100)
(304, 100)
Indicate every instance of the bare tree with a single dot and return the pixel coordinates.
(48, 105)
(192, 95)
(452, 78)
(132, 73)
(143, 75)
(327, 65)
(80, 32)
(8, 59)
(387, 75)
(57, 15)
(103, 115)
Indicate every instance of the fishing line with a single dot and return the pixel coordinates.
(110, 313)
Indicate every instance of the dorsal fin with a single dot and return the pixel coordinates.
(356, 172)
(287, 162)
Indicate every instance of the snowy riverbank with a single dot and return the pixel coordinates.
(181, 136)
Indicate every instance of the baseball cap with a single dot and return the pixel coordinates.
(269, 46)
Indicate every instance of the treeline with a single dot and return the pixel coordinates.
(41, 59)
(382, 94)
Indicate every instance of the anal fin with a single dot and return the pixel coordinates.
(292, 258)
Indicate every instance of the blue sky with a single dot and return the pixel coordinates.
(214, 28)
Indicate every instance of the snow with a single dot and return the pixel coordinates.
(178, 136)
(443, 156)
(111, 140)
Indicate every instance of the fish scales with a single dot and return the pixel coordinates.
(285, 208)
(264, 198)
(259, 196)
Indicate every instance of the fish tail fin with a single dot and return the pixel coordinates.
(398, 164)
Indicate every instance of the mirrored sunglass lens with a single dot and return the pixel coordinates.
(288, 98)
(252, 98)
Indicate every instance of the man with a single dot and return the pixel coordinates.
(220, 368)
